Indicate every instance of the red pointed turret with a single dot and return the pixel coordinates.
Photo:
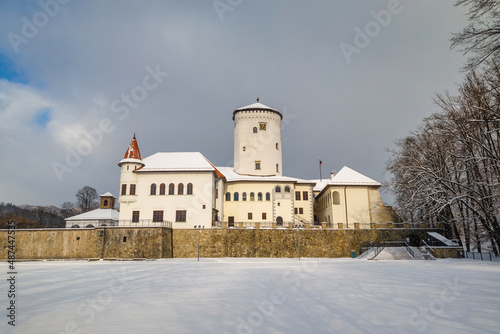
(133, 154)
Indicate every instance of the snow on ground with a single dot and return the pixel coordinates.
(246, 295)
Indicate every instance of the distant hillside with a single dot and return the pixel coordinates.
(30, 216)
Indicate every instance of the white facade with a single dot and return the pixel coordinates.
(184, 190)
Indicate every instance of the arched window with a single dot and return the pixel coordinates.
(190, 189)
(255, 129)
(153, 189)
(277, 189)
(244, 196)
(228, 197)
(171, 189)
(259, 196)
(336, 198)
(162, 189)
(105, 202)
(268, 196)
(287, 189)
(180, 189)
(236, 196)
(252, 196)
(279, 221)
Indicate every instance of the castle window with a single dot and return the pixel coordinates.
(180, 189)
(180, 216)
(124, 189)
(105, 202)
(228, 197)
(236, 196)
(255, 130)
(135, 216)
(277, 146)
(305, 195)
(297, 195)
(262, 126)
(244, 148)
(249, 216)
(336, 198)
(157, 216)
(257, 165)
(259, 196)
(277, 168)
(295, 210)
(171, 189)
(264, 216)
(162, 189)
(252, 196)
(287, 189)
(153, 189)
(277, 189)
(132, 189)
(268, 196)
(190, 189)
(244, 196)
(301, 211)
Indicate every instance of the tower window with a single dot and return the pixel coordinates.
(277, 189)
(228, 197)
(277, 168)
(236, 196)
(305, 195)
(180, 189)
(252, 196)
(297, 195)
(162, 189)
(259, 196)
(153, 189)
(124, 189)
(190, 189)
(244, 196)
(277, 146)
(268, 196)
(105, 202)
(257, 165)
(255, 129)
(244, 148)
(336, 198)
(132, 189)
(287, 189)
(171, 189)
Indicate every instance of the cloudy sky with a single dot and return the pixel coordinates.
(78, 78)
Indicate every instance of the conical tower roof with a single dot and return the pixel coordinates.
(133, 153)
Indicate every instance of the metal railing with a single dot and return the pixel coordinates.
(481, 256)
(144, 222)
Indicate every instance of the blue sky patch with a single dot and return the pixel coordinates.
(9, 71)
(43, 117)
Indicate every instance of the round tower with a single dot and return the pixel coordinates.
(128, 179)
(257, 140)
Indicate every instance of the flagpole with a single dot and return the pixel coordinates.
(320, 177)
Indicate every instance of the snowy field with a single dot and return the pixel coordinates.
(255, 296)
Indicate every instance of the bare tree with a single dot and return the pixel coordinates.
(86, 199)
(482, 36)
(68, 209)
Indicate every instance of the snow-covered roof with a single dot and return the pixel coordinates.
(257, 106)
(346, 177)
(107, 194)
(97, 214)
(232, 176)
(132, 154)
(441, 238)
(176, 161)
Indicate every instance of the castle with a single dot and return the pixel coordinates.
(185, 190)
